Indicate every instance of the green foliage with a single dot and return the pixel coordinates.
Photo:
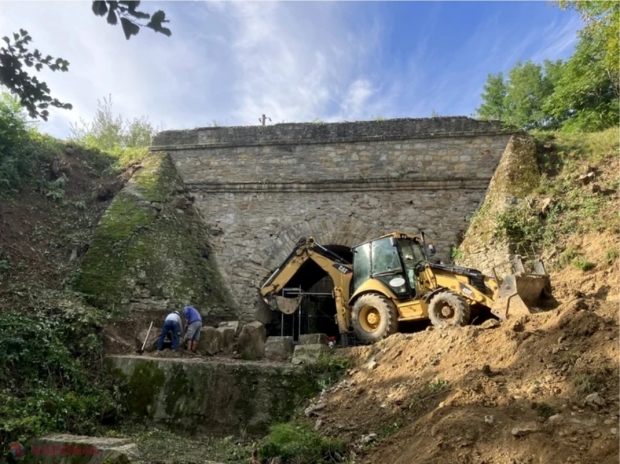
(34, 95)
(51, 377)
(5, 266)
(437, 384)
(328, 369)
(299, 443)
(583, 264)
(114, 134)
(493, 98)
(22, 148)
(545, 410)
(456, 253)
(612, 254)
(128, 14)
(581, 94)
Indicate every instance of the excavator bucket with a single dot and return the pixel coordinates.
(519, 291)
(287, 305)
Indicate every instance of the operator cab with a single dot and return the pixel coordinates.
(395, 260)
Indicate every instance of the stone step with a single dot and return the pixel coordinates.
(212, 396)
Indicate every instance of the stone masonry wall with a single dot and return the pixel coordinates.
(262, 188)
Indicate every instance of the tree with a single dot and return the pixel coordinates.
(527, 89)
(108, 132)
(493, 99)
(34, 95)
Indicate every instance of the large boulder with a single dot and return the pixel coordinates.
(313, 339)
(235, 325)
(210, 342)
(279, 348)
(251, 343)
(228, 338)
(308, 354)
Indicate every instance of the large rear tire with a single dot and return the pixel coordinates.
(448, 309)
(374, 317)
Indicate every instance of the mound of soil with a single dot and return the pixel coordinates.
(539, 389)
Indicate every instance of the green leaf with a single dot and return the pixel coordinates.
(112, 18)
(100, 8)
(129, 28)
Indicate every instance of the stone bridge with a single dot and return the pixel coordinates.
(261, 188)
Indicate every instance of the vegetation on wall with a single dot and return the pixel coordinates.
(565, 201)
(580, 94)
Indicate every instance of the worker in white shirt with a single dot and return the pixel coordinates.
(171, 324)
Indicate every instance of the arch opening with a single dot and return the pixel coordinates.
(317, 310)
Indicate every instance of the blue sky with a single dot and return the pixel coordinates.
(229, 62)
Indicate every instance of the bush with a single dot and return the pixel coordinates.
(299, 443)
(51, 374)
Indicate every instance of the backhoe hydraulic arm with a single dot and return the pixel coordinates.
(339, 270)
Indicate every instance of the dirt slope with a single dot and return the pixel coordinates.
(542, 389)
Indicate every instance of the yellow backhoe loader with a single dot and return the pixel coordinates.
(392, 279)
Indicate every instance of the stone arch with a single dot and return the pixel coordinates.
(345, 232)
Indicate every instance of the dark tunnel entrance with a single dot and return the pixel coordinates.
(317, 310)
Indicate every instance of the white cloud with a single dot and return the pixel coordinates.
(231, 62)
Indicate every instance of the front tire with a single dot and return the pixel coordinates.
(374, 317)
(448, 309)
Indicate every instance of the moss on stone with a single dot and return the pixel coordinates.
(177, 387)
(144, 385)
(145, 248)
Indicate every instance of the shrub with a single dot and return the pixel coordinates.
(51, 374)
(299, 443)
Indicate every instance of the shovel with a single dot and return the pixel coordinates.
(141, 350)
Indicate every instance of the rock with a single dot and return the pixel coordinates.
(556, 419)
(544, 207)
(228, 338)
(251, 344)
(308, 354)
(490, 324)
(595, 400)
(279, 348)
(486, 370)
(366, 439)
(235, 325)
(523, 430)
(313, 339)
(518, 326)
(533, 389)
(317, 424)
(489, 420)
(371, 365)
(586, 178)
(312, 410)
(210, 342)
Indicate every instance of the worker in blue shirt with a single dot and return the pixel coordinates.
(193, 324)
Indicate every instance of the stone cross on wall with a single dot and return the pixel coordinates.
(264, 119)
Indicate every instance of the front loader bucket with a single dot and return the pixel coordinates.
(517, 293)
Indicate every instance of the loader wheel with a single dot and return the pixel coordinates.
(374, 317)
(447, 309)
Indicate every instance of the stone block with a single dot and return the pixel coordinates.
(228, 339)
(235, 325)
(279, 348)
(210, 342)
(313, 339)
(251, 343)
(308, 354)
